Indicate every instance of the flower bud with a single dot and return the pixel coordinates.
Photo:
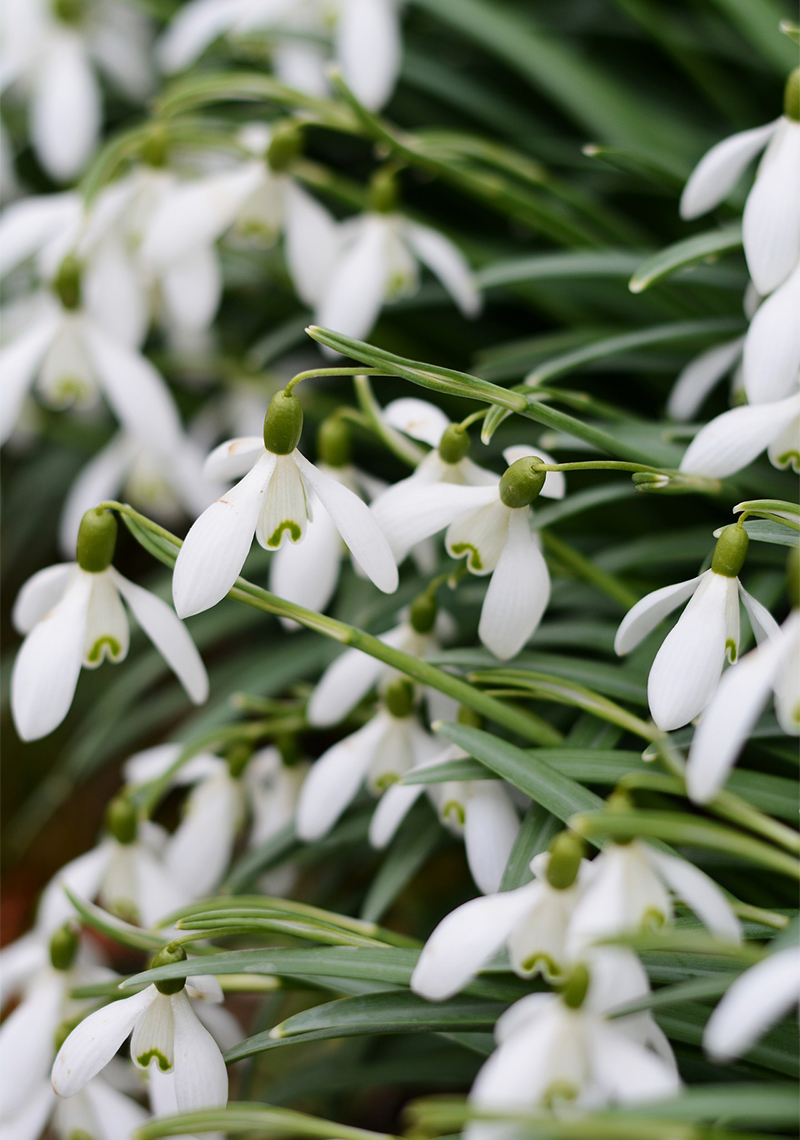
(63, 947)
(398, 697)
(334, 442)
(382, 194)
(575, 988)
(454, 444)
(649, 481)
(283, 424)
(237, 759)
(566, 852)
(793, 577)
(522, 482)
(67, 283)
(730, 551)
(422, 613)
(167, 956)
(791, 96)
(97, 539)
(121, 820)
(285, 146)
(468, 717)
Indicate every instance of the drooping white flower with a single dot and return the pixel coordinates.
(72, 616)
(165, 1029)
(772, 212)
(558, 1050)
(271, 501)
(50, 51)
(772, 667)
(491, 526)
(379, 262)
(771, 354)
(391, 743)
(366, 39)
(630, 888)
(481, 812)
(688, 666)
(735, 438)
(531, 921)
(755, 1001)
(99, 1110)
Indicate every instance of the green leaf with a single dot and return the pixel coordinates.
(260, 1119)
(536, 832)
(775, 532)
(557, 266)
(418, 837)
(700, 247)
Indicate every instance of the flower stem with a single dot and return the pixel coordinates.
(338, 371)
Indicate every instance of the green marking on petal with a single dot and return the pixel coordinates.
(789, 457)
(454, 808)
(295, 533)
(653, 919)
(95, 654)
(71, 389)
(732, 649)
(385, 781)
(474, 560)
(144, 1060)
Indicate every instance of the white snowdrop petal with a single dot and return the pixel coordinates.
(157, 892)
(787, 685)
(201, 1078)
(688, 666)
(83, 877)
(334, 779)
(762, 621)
(465, 940)
(772, 346)
(771, 221)
(368, 46)
(151, 763)
(19, 961)
(555, 483)
(194, 27)
(417, 418)
(312, 243)
(65, 111)
(720, 169)
(100, 479)
(191, 288)
(490, 830)
(207, 988)
(284, 514)
(734, 439)
(48, 664)
(19, 363)
(26, 1042)
(199, 851)
(348, 680)
(627, 1071)
(393, 807)
(784, 450)
(219, 1022)
(518, 592)
(168, 634)
(27, 224)
(356, 524)
(480, 535)
(754, 1002)
(307, 573)
(153, 1035)
(31, 1121)
(215, 549)
(699, 377)
(699, 892)
(117, 1116)
(649, 612)
(40, 594)
(448, 263)
(107, 633)
(413, 510)
(356, 287)
(93, 1043)
(114, 293)
(233, 458)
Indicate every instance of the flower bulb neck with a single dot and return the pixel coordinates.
(468, 717)
(566, 853)
(97, 540)
(69, 11)
(285, 146)
(423, 613)
(791, 96)
(398, 697)
(730, 551)
(522, 482)
(576, 987)
(283, 424)
(237, 758)
(64, 947)
(454, 444)
(793, 577)
(122, 820)
(334, 442)
(383, 192)
(168, 956)
(67, 283)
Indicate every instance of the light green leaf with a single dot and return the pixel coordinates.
(705, 247)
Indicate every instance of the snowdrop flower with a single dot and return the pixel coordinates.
(99, 1110)
(774, 666)
(72, 615)
(255, 201)
(772, 213)
(491, 526)
(166, 1030)
(735, 438)
(355, 673)
(754, 1002)
(366, 40)
(557, 1049)
(29, 225)
(531, 921)
(481, 812)
(379, 262)
(630, 889)
(771, 359)
(387, 747)
(688, 666)
(273, 501)
(49, 51)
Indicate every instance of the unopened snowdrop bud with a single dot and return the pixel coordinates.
(730, 551)
(791, 96)
(283, 423)
(650, 481)
(168, 956)
(334, 442)
(454, 444)
(97, 540)
(285, 146)
(576, 987)
(121, 820)
(423, 612)
(63, 947)
(522, 482)
(382, 194)
(67, 282)
(566, 855)
(399, 697)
